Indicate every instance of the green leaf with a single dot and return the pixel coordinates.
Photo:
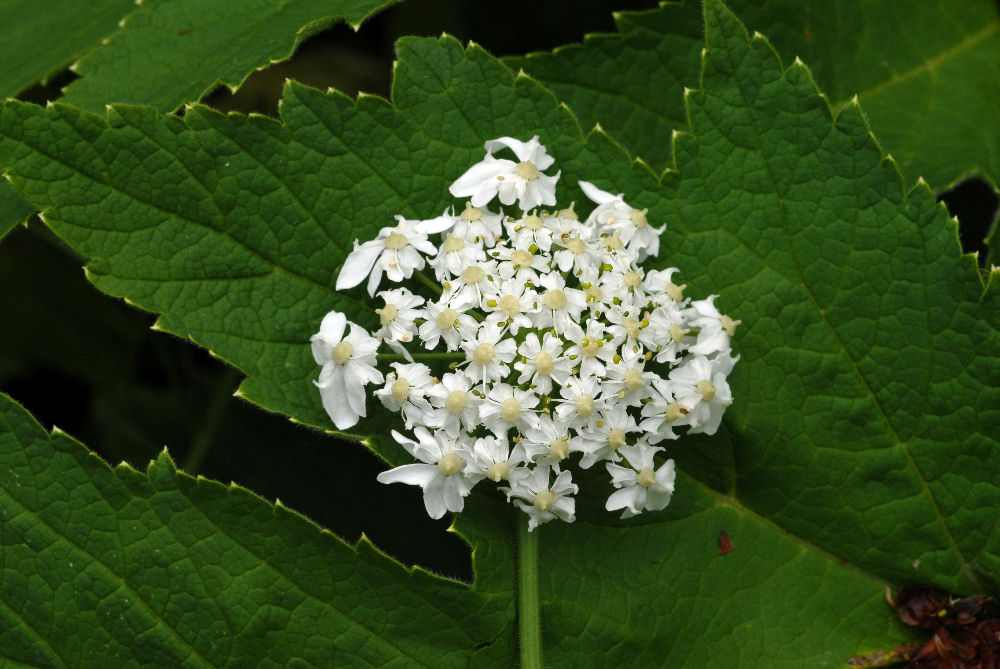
(14, 208)
(39, 37)
(927, 73)
(115, 567)
(174, 51)
(861, 448)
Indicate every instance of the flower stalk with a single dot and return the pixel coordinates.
(529, 620)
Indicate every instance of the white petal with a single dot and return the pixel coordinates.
(482, 172)
(333, 393)
(332, 327)
(415, 474)
(596, 194)
(359, 263)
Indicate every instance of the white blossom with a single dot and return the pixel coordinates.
(643, 487)
(522, 181)
(396, 252)
(348, 366)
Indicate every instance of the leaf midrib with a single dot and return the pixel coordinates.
(892, 433)
(926, 65)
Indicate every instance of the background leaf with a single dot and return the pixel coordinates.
(172, 52)
(926, 72)
(13, 208)
(767, 212)
(162, 569)
(37, 38)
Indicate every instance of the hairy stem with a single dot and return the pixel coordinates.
(528, 618)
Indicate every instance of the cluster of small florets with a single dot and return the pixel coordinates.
(539, 342)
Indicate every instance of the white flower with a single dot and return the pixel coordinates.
(543, 362)
(454, 255)
(580, 400)
(715, 329)
(444, 477)
(642, 488)
(607, 435)
(522, 181)
(406, 390)
(589, 349)
(662, 412)
(455, 405)
(494, 458)
(508, 303)
(619, 218)
(488, 355)
(550, 442)
(479, 225)
(541, 501)
(348, 366)
(626, 380)
(558, 305)
(507, 406)
(396, 252)
(397, 317)
(700, 386)
(445, 321)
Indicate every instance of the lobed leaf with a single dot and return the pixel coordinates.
(14, 208)
(862, 446)
(928, 74)
(39, 37)
(115, 567)
(174, 51)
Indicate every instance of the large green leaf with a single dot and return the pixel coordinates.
(861, 448)
(927, 73)
(39, 37)
(114, 567)
(13, 208)
(174, 51)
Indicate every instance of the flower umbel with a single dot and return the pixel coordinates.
(538, 345)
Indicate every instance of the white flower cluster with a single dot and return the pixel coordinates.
(557, 346)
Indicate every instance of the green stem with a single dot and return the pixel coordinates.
(426, 280)
(528, 618)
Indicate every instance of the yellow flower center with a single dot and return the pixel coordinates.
(473, 274)
(451, 464)
(576, 245)
(632, 279)
(590, 346)
(555, 299)
(456, 401)
(729, 325)
(559, 448)
(584, 405)
(483, 355)
(400, 390)
(646, 477)
(633, 379)
(342, 352)
(522, 258)
(544, 500)
(447, 319)
(471, 213)
(632, 327)
(395, 241)
(616, 438)
(706, 389)
(526, 170)
(639, 217)
(674, 411)
(510, 305)
(675, 292)
(544, 363)
(453, 244)
(387, 314)
(533, 222)
(498, 471)
(677, 332)
(510, 410)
